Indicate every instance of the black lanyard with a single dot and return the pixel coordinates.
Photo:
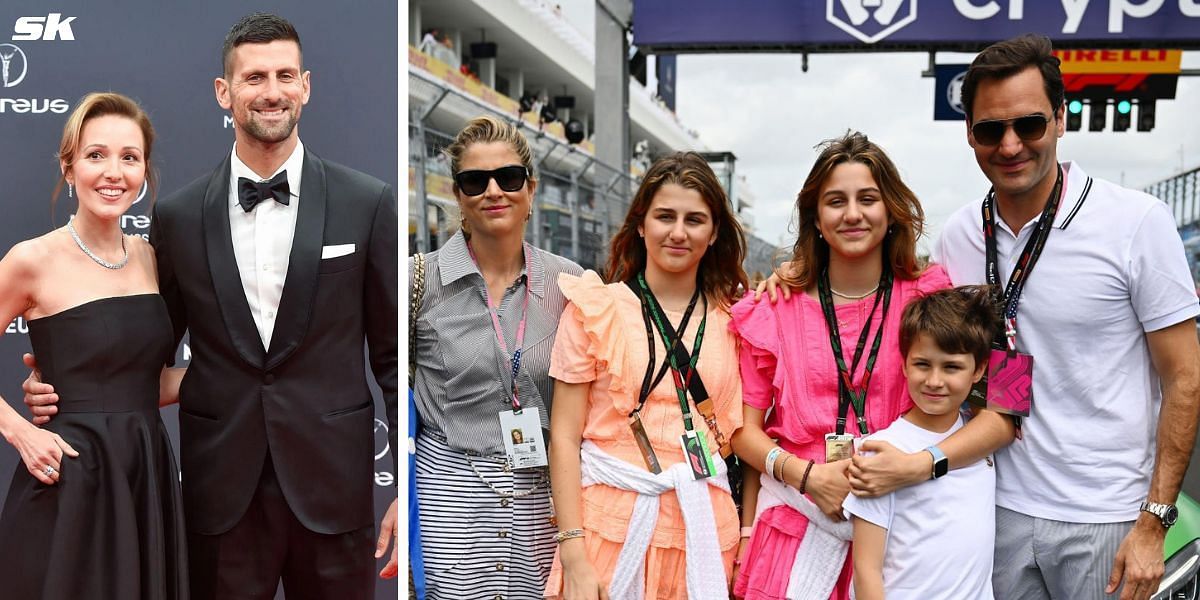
(650, 380)
(847, 392)
(1029, 257)
(683, 364)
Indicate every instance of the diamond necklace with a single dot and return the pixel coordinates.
(91, 255)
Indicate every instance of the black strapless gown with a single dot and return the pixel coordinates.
(112, 527)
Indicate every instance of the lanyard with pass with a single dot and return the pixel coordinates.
(695, 447)
(848, 393)
(521, 430)
(650, 381)
(1007, 386)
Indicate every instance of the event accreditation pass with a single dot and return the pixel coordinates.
(523, 441)
(838, 447)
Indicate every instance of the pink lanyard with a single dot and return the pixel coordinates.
(516, 354)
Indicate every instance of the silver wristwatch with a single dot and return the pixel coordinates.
(1166, 513)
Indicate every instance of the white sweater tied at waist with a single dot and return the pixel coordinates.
(705, 567)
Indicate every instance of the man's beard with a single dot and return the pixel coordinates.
(274, 134)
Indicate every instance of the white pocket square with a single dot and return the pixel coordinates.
(336, 250)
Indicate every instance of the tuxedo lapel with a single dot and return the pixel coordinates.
(227, 281)
(300, 286)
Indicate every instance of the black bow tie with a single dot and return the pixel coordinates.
(251, 192)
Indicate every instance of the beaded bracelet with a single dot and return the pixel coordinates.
(804, 480)
(569, 534)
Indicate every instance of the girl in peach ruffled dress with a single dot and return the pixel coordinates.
(637, 434)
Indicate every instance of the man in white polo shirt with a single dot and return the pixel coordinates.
(1086, 493)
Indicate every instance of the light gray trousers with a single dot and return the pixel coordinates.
(1043, 559)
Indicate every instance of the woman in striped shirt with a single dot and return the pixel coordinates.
(483, 338)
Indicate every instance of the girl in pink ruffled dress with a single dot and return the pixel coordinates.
(854, 267)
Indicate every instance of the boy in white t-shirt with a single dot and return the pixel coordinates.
(933, 540)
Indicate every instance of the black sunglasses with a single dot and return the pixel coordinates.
(1028, 128)
(473, 183)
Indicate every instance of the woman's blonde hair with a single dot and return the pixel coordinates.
(100, 104)
(488, 129)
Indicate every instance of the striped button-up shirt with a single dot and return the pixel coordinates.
(463, 379)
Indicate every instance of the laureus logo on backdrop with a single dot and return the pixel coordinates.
(13, 65)
(385, 477)
(18, 325)
(137, 224)
(14, 62)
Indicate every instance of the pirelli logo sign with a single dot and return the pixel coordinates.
(1160, 62)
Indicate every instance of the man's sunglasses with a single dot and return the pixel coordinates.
(474, 183)
(1028, 128)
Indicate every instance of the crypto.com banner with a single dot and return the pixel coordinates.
(166, 55)
(774, 25)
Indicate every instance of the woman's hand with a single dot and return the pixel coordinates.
(42, 452)
(774, 285)
(743, 545)
(828, 487)
(579, 576)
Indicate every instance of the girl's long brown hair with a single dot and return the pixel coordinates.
(720, 274)
(810, 254)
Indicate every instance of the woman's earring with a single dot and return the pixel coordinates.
(70, 189)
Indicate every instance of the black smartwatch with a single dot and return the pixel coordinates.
(941, 464)
(1167, 513)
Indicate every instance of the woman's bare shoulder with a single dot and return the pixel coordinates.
(34, 251)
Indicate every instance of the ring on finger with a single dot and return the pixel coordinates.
(49, 471)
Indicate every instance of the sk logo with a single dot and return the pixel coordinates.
(48, 28)
(885, 16)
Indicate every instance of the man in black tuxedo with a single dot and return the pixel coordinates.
(280, 264)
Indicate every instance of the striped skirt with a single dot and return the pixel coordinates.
(477, 543)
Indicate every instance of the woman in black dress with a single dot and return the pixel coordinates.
(95, 512)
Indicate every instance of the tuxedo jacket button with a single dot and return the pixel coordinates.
(269, 378)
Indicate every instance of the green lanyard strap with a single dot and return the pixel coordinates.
(848, 393)
(682, 373)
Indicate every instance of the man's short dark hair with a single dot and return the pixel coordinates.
(258, 28)
(1005, 59)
